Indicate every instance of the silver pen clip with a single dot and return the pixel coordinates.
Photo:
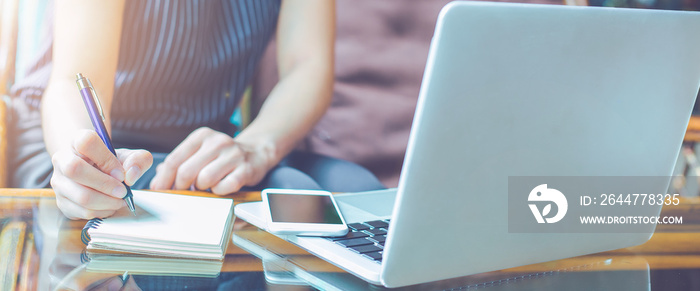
(97, 101)
(83, 83)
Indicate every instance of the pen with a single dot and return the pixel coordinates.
(92, 103)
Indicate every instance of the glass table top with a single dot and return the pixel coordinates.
(41, 250)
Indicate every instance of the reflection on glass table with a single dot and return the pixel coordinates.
(595, 273)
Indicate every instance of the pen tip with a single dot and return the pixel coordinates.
(130, 203)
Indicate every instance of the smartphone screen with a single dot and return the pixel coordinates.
(303, 212)
(301, 208)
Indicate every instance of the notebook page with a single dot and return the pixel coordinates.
(174, 218)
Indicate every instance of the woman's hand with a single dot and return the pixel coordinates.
(87, 177)
(208, 159)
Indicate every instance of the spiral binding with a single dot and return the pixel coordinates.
(84, 258)
(92, 223)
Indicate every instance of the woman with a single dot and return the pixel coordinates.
(169, 74)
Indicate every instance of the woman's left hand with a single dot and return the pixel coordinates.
(208, 159)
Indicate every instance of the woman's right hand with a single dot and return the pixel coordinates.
(87, 177)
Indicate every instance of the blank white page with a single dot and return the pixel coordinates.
(164, 217)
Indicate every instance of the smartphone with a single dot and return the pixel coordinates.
(303, 212)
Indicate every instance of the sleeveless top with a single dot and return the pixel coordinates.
(182, 65)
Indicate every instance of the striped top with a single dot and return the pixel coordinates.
(182, 65)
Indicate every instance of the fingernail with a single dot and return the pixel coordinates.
(132, 175)
(117, 174)
(119, 191)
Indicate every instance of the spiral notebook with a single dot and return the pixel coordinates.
(165, 224)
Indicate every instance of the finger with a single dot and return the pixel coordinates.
(135, 162)
(80, 171)
(234, 181)
(85, 197)
(164, 177)
(217, 169)
(74, 211)
(167, 170)
(212, 146)
(188, 147)
(188, 171)
(89, 145)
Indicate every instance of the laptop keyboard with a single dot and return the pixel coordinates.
(365, 238)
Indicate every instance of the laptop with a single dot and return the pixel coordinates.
(513, 90)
